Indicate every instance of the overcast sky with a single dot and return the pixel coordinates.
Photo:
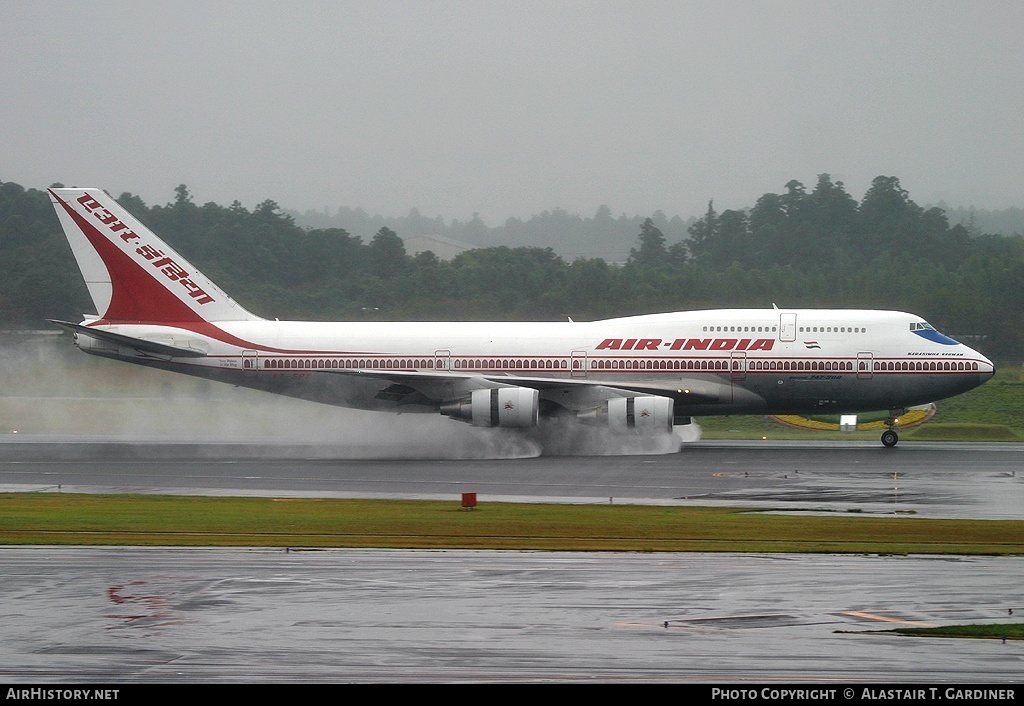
(512, 108)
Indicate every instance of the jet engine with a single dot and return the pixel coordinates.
(650, 414)
(497, 407)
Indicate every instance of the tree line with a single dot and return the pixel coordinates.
(801, 247)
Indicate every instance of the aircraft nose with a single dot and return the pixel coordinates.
(986, 368)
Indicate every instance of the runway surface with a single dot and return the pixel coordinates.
(205, 615)
(193, 615)
(984, 481)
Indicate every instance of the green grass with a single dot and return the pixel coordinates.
(750, 427)
(962, 432)
(1011, 631)
(998, 401)
(57, 518)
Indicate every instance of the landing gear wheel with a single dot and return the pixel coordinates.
(889, 438)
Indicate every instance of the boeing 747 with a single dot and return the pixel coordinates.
(641, 373)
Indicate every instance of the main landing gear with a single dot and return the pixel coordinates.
(889, 437)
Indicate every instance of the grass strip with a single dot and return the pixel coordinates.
(963, 432)
(1011, 631)
(160, 520)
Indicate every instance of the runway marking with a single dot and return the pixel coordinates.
(886, 619)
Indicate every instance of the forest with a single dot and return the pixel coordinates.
(799, 248)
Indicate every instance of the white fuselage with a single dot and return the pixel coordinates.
(709, 362)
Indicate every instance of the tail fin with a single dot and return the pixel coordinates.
(132, 275)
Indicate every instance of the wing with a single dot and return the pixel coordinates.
(420, 388)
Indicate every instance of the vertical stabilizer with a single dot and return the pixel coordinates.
(132, 275)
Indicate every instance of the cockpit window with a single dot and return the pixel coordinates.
(928, 332)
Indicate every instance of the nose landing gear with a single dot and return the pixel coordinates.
(889, 437)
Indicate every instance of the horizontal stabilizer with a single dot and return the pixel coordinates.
(139, 344)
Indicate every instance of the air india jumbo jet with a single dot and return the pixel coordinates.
(639, 374)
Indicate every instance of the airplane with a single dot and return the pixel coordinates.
(638, 374)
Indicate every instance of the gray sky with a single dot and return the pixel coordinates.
(511, 108)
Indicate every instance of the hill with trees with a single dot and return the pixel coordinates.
(816, 247)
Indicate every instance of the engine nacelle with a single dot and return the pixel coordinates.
(648, 413)
(497, 407)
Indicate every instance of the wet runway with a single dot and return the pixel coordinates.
(194, 615)
(984, 481)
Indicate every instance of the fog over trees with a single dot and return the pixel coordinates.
(806, 246)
